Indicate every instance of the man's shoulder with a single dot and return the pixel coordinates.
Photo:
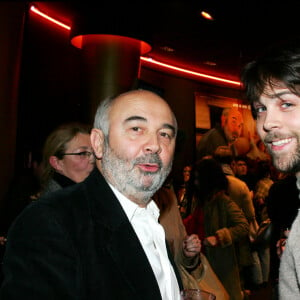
(66, 204)
(210, 141)
(213, 132)
(235, 179)
(238, 183)
(73, 196)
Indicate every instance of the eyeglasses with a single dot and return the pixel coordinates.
(82, 155)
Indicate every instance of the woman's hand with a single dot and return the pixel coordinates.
(211, 241)
(191, 245)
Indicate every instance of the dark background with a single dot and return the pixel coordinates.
(42, 76)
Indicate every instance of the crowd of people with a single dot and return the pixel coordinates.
(103, 218)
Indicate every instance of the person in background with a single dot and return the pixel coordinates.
(238, 191)
(194, 268)
(184, 192)
(176, 236)
(241, 170)
(65, 159)
(222, 135)
(282, 211)
(272, 87)
(67, 156)
(261, 191)
(220, 224)
(100, 238)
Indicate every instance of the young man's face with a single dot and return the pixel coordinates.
(278, 125)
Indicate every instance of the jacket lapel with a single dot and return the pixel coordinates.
(121, 241)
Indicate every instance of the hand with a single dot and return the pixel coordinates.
(191, 245)
(211, 241)
(280, 246)
(2, 240)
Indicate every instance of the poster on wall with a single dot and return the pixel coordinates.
(209, 111)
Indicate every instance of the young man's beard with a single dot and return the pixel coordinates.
(289, 163)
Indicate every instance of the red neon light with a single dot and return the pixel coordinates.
(147, 59)
(38, 12)
(202, 75)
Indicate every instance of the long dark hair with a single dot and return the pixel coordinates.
(209, 179)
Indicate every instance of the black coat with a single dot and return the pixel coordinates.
(77, 243)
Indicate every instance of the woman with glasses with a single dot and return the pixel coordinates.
(67, 156)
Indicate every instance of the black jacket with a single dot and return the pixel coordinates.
(77, 243)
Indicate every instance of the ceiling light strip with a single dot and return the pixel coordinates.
(45, 16)
(147, 59)
(201, 75)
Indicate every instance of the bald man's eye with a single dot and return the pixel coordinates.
(136, 129)
(167, 135)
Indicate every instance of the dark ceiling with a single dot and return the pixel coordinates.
(179, 35)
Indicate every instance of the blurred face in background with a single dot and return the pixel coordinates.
(187, 173)
(78, 160)
(240, 168)
(233, 125)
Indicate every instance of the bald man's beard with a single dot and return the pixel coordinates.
(129, 179)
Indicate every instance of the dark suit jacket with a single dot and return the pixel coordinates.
(77, 243)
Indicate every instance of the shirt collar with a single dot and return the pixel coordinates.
(131, 208)
(298, 181)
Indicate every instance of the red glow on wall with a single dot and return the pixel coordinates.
(152, 62)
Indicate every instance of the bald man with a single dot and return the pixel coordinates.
(222, 135)
(100, 239)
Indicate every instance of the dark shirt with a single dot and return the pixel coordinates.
(283, 202)
(57, 182)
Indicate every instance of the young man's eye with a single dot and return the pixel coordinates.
(286, 105)
(260, 109)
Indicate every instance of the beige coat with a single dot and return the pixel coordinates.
(203, 276)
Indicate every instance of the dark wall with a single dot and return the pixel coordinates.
(51, 92)
(11, 33)
(50, 89)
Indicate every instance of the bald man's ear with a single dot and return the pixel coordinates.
(97, 141)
